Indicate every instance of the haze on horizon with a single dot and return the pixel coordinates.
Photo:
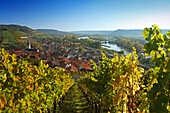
(76, 15)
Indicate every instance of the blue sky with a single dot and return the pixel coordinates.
(69, 15)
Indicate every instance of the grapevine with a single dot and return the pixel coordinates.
(120, 85)
(28, 88)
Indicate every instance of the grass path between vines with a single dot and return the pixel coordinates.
(75, 102)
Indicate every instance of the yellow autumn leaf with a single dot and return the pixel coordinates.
(15, 78)
(45, 97)
(10, 103)
(36, 85)
(42, 87)
(136, 87)
(124, 96)
(2, 101)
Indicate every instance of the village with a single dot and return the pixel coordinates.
(66, 55)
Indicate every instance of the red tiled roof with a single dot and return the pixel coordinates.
(16, 53)
(73, 68)
(76, 62)
(85, 66)
(66, 60)
(90, 63)
(35, 54)
(60, 57)
(19, 51)
(26, 54)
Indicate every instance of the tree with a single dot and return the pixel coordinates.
(75, 37)
(80, 50)
(138, 46)
(91, 36)
(69, 36)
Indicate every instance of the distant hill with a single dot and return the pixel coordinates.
(54, 32)
(18, 31)
(92, 32)
(132, 34)
(123, 32)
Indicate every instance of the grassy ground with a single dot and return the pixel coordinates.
(75, 102)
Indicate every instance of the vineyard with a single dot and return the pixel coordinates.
(119, 85)
(27, 88)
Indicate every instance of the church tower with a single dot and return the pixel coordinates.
(29, 45)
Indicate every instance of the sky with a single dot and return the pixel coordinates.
(76, 15)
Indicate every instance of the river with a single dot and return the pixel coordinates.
(83, 37)
(109, 46)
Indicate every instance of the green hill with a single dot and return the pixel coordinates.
(19, 31)
(54, 32)
(10, 36)
(7, 37)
